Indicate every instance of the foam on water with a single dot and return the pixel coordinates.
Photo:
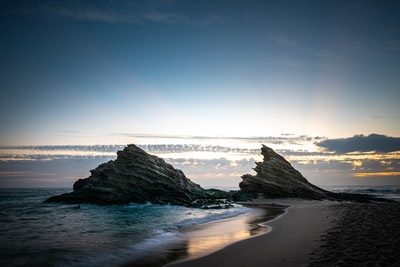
(215, 215)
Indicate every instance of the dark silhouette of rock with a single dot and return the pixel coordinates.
(276, 178)
(136, 176)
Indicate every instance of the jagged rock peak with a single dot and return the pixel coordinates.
(276, 177)
(270, 154)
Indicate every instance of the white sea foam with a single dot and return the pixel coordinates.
(215, 216)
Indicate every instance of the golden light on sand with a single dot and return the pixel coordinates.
(200, 246)
(213, 236)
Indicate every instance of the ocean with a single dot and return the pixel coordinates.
(386, 191)
(35, 233)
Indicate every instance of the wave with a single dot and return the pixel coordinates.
(225, 214)
(154, 247)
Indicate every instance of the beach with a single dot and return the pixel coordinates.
(262, 232)
(363, 234)
(198, 241)
(317, 233)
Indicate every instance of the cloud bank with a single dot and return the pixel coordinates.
(361, 143)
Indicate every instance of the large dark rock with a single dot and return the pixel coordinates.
(136, 176)
(276, 178)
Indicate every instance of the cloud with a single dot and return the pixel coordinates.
(80, 12)
(45, 153)
(46, 173)
(282, 40)
(127, 12)
(361, 143)
(376, 174)
(290, 63)
(287, 42)
(392, 45)
(213, 172)
(209, 161)
(162, 17)
(170, 146)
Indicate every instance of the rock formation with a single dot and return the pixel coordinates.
(276, 178)
(136, 176)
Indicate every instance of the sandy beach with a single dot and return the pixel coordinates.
(317, 233)
(362, 235)
(200, 240)
(292, 239)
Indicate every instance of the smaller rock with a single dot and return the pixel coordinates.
(276, 178)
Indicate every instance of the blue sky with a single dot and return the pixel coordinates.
(83, 72)
(176, 72)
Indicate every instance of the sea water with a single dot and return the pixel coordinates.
(35, 233)
(386, 191)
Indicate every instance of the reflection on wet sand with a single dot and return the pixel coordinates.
(207, 238)
(200, 240)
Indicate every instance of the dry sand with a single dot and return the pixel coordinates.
(362, 235)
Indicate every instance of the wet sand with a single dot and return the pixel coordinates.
(200, 240)
(204, 239)
(294, 236)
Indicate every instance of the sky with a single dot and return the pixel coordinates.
(200, 72)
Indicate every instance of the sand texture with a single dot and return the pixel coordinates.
(362, 235)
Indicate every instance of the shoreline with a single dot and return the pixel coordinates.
(305, 233)
(198, 241)
(205, 239)
(294, 236)
(317, 233)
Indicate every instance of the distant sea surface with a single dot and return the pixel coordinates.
(34, 233)
(388, 191)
